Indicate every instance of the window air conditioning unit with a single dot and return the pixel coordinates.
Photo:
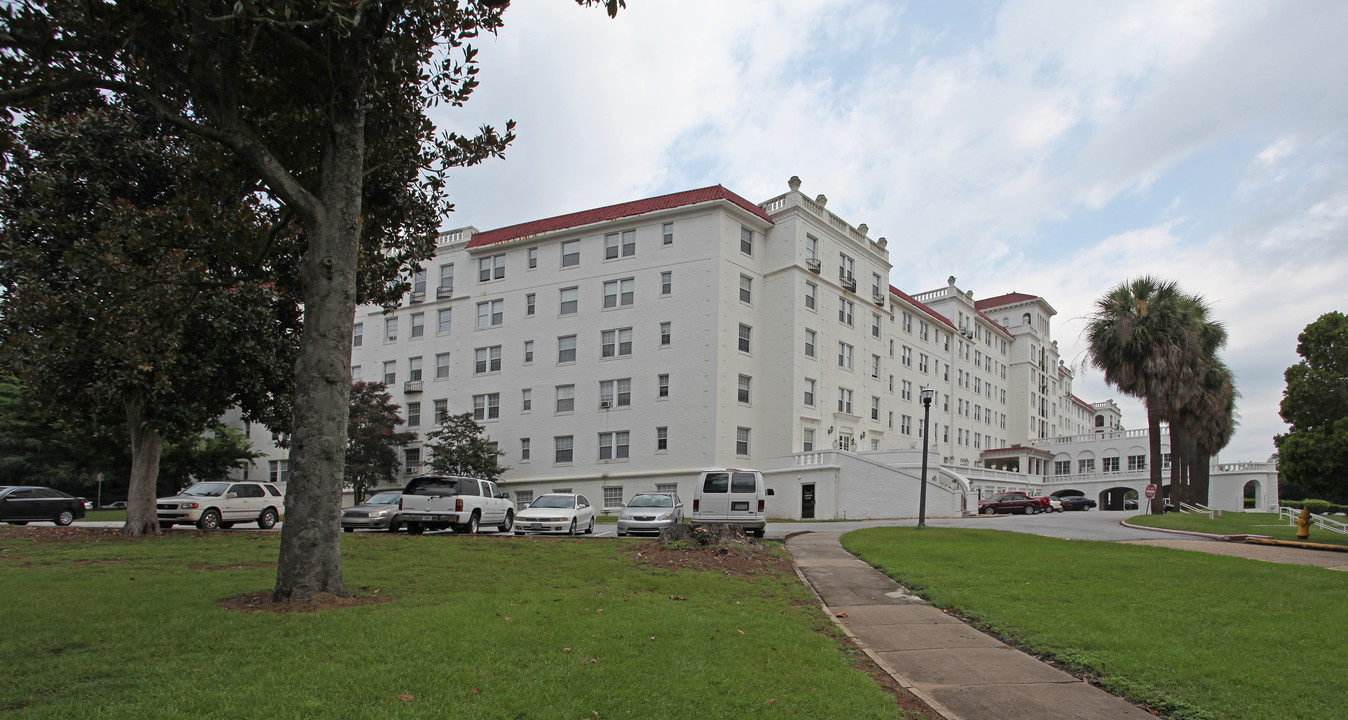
(812, 264)
(604, 404)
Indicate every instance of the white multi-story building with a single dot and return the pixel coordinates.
(625, 348)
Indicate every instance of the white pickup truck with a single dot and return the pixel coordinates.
(435, 502)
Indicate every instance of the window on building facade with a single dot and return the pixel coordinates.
(811, 247)
(446, 286)
(619, 293)
(1109, 464)
(526, 448)
(906, 424)
(922, 329)
(418, 325)
(441, 411)
(622, 244)
(811, 295)
(875, 366)
(809, 392)
(278, 471)
(845, 310)
(745, 332)
(666, 333)
(391, 329)
(809, 343)
(807, 440)
(875, 325)
(570, 253)
(615, 393)
(526, 399)
(742, 441)
(414, 369)
(1137, 462)
(667, 233)
(746, 289)
(487, 406)
(569, 301)
(616, 343)
(845, 266)
(566, 398)
(1062, 467)
(523, 498)
(565, 445)
(907, 356)
(613, 496)
(661, 443)
(844, 356)
(413, 414)
(907, 390)
(1086, 465)
(746, 240)
(490, 313)
(743, 395)
(875, 408)
(613, 446)
(390, 372)
(666, 282)
(487, 359)
(844, 401)
(530, 304)
(566, 349)
(528, 352)
(491, 268)
(533, 258)
(662, 385)
(358, 335)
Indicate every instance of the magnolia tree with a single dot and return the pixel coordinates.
(326, 103)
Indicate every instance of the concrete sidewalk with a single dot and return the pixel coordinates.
(960, 672)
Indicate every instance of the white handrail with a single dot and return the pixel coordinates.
(1197, 510)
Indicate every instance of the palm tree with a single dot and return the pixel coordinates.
(1186, 411)
(1211, 419)
(1146, 336)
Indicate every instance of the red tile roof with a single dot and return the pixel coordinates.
(1010, 298)
(909, 299)
(614, 212)
(995, 324)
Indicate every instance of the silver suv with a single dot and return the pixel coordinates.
(212, 505)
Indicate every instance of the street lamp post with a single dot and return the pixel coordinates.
(927, 394)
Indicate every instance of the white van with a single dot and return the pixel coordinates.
(731, 496)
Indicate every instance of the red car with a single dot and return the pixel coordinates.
(1012, 502)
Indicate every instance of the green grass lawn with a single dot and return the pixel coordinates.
(1202, 636)
(1233, 523)
(478, 627)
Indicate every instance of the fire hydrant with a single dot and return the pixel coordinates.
(1303, 523)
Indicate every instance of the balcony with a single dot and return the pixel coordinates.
(812, 264)
(878, 299)
(412, 386)
(444, 291)
(417, 297)
(849, 284)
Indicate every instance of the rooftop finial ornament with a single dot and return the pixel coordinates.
(822, 200)
(794, 183)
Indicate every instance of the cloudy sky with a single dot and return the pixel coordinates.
(1050, 147)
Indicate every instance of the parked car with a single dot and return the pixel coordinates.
(219, 505)
(22, 504)
(378, 512)
(88, 504)
(556, 513)
(118, 505)
(649, 512)
(1049, 504)
(1010, 502)
(733, 497)
(436, 502)
(1129, 504)
(1077, 503)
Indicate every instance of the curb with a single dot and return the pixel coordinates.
(1260, 540)
(1209, 536)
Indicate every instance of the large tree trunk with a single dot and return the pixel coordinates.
(1178, 460)
(146, 448)
(1154, 441)
(311, 561)
(1202, 470)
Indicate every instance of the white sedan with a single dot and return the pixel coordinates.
(556, 513)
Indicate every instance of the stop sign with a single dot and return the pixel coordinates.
(1151, 491)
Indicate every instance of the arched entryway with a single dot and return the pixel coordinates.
(1114, 498)
(1253, 494)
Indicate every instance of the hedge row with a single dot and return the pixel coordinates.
(1319, 507)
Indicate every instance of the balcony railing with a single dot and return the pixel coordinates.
(412, 386)
(444, 291)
